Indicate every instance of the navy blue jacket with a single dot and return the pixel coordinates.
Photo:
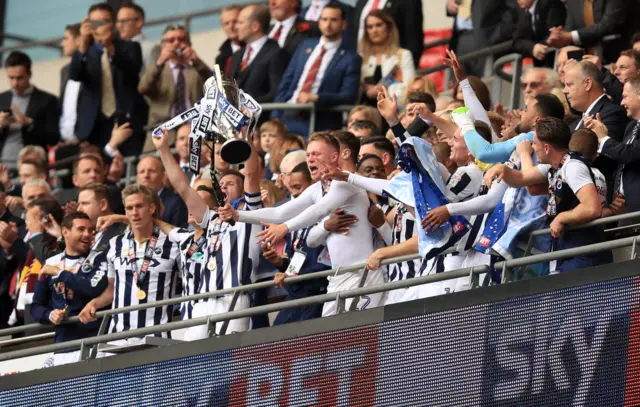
(340, 84)
(311, 265)
(175, 211)
(73, 290)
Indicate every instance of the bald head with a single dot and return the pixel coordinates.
(253, 23)
(150, 173)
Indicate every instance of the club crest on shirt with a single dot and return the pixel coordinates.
(87, 267)
(158, 250)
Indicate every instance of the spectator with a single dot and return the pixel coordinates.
(538, 80)
(414, 98)
(182, 146)
(480, 24)
(35, 189)
(442, 102)
(382, 148)
(257, 68)
(271, 132)
(589, 23)
(585, 93)
(13, 253)
(94, 201)
(298, 179)
(383, 61)
(626, 151)
(480, 90)
(30, 170)
(290, 161)
(228, 20)
(108, 68)
(407, 15)
(174, 83)
(574, 198)
(270, 194)
(362, 112)
(282, 147)
(311, 13)
(62, 291)
(323, 72)
(219, 165)
(627, 66)
(151, 174)
(32, 152)
(289, 29)
(364, 129)
(534, 19)
(563, 58)
(69, 89)
(27, 114)
(349, 149)
(129, 22)
(635, 42)
(86, 170)
(421, 84)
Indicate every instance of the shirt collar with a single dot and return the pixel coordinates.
(588, 111)
(289, 22)
(139, 38)
(532, 9)
(27, 92)
(257, 44)
(330, 45)
(174, 65)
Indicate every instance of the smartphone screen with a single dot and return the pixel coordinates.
(577, 55)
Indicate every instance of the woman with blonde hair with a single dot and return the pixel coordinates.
(383, 61)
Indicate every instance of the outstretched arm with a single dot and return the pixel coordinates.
(277, 214)
(492, 153)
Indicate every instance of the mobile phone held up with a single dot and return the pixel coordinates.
(577, 55)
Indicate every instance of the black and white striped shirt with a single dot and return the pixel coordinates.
(158, 285)
(195, 276)
(404, 228)
(235, 251)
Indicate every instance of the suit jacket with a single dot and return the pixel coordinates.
(615, 119)
(548, 13)
(611, 17)
(64, 196)
(125, 68)
(493, 22)
(300, 31)
(225, 54)
(408, 17)
(44, 109)
(175, 211)
(158, 85)
(262, 77)
(339, 85)
(627, 158)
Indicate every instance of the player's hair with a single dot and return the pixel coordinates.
(149, 196)
(67, 221)
(326, 137)
(348, 141)
(76, 163)
(232, 172)
(100, 191)
(380, 143)
(585, 142)
(47, 206)
(303, 169)
(554, 132)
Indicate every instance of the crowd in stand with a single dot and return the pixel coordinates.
(455, 178)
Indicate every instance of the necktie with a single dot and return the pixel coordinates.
(313, 72)
(227, 65)
(530, 19)
(277, 33)
(620, 169)
(588, 13)
(179, 104)
(245, 61)
(464, 9)
(108, 95)
(375, 5)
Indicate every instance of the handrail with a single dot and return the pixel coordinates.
(481, 53)
(514, 97)
(437, 43)
(187, 17)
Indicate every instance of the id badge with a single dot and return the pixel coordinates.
(296, 263)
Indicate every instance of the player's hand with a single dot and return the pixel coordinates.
(48, 271)
(271, 255)
(524, 148)
(57, 316)
(421, 109)
(279, 279)
(387, 105)
(339, 222)
(88, 313)
(557, 228)
(105, 222)
(375, 259)
(453, 63)
(494, 174)
(376, 216)
(227, 213)
(273, 233)
(435, 218)
(160, 138)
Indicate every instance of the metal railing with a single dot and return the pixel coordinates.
(340, 297)
(54, 42)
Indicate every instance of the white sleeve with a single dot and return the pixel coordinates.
(338, 194)
(178, 235)
(444, 173)
(206, 218)
(282, 213)
(577, 175)
(111, 255)
(473, 103)
(386, 233)
(373, 185)
(480, 204)
(544, 169)
(317, 235)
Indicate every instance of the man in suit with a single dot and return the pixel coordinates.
(69, 89)
(590, 22)
(307, 77)
(480, 24)
(585, 93)
(228, 19)
(408, 17)
(535, 18)
(130, 21)
(108, 69)
(27, 114)
(151, 175)
(174, 83)
(258, 67)
(13, 251)
(626, 152)
(289, 30)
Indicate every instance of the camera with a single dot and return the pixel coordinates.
(179, 51)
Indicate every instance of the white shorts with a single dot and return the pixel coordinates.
(216, 306)
(350, 281)
(59, 359)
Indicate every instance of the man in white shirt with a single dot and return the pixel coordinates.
(69, 89)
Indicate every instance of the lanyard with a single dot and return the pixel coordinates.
(81, 261)
(299, 241)
(216, 237)
(148, 255)
(196, 245)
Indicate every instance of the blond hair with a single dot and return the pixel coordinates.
(149, 197)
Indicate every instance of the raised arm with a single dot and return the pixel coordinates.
(196, 205)
(91, 285)
(514, 178)
(277, 214)
(492, 153)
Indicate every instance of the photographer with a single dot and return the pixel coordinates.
(175, 82)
